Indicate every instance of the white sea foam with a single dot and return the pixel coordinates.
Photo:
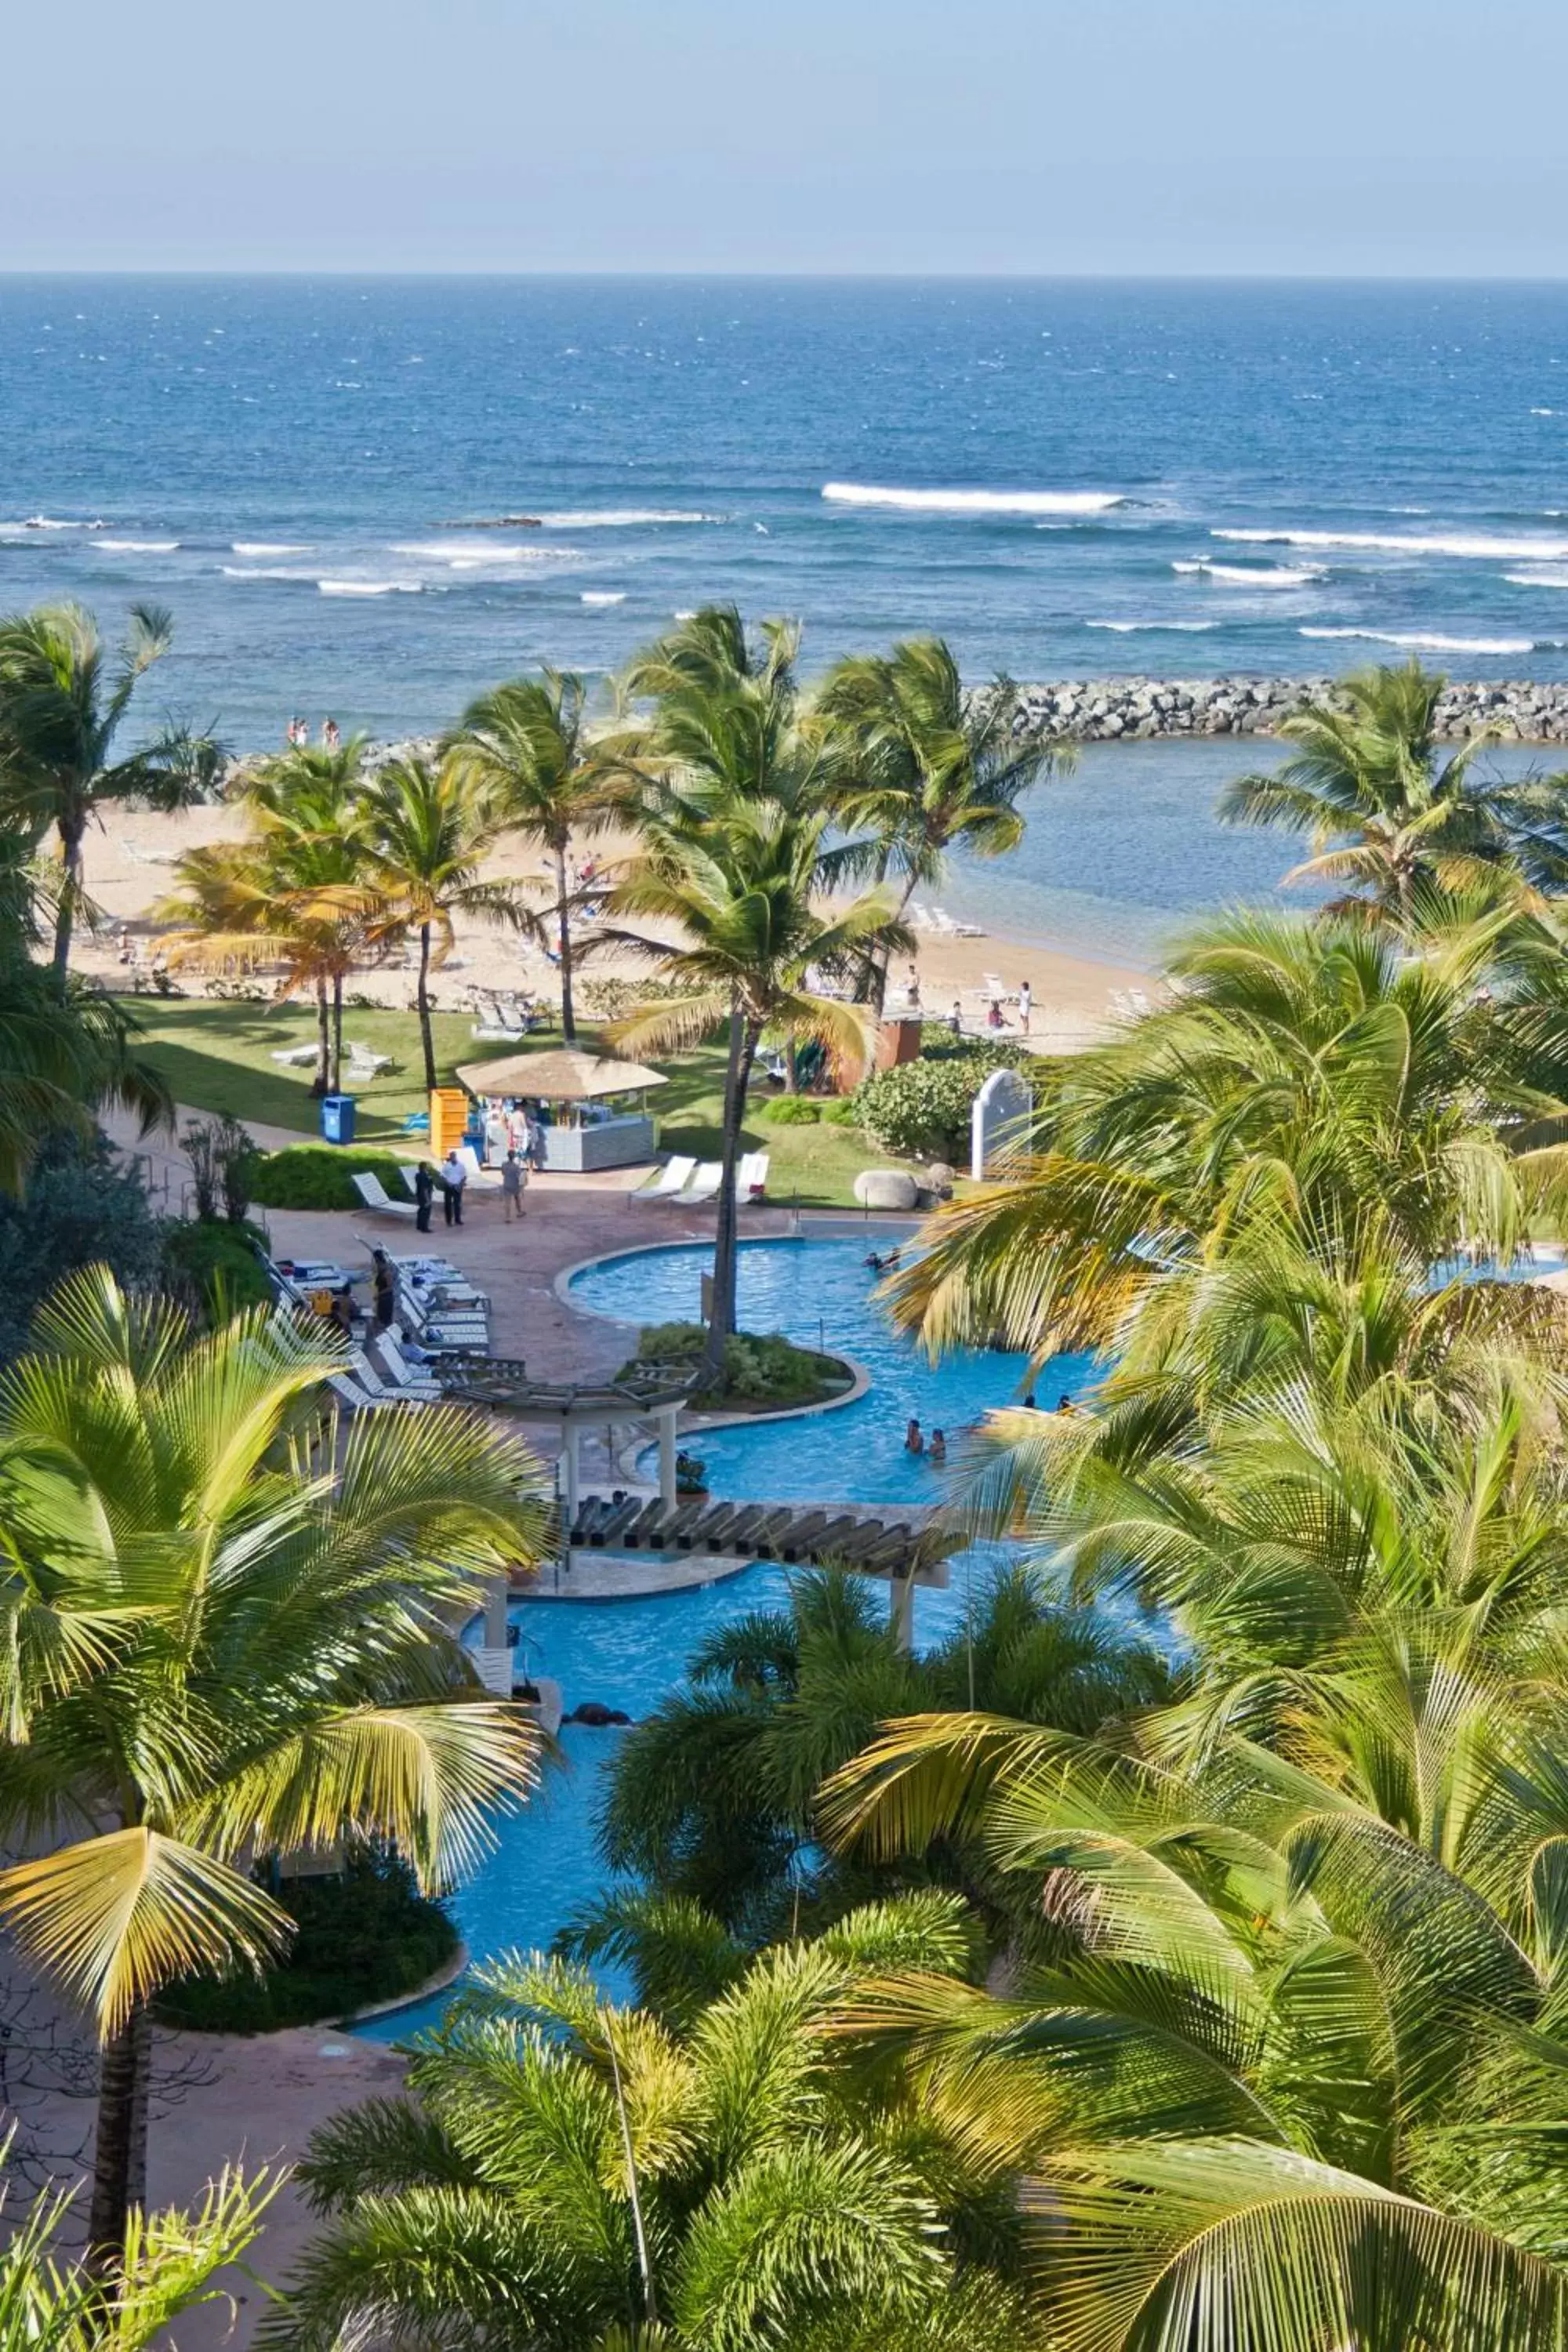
(459, 552)
(1430, 641)
(604, 596)
(978, 502)
(265, 571)
(1537, 579)
(1132, 628)
(271, 546)
(369, 587)
(18, 526)
(1438, 543)
(1257, 576)
(139, 546)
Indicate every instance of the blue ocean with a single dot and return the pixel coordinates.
(1065, 478)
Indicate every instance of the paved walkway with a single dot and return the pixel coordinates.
(567, 1217)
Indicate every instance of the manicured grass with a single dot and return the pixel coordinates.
(218, 1057)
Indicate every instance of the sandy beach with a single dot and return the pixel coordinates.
(129, 867)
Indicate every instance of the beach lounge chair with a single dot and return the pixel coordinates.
(751, 1179)
(373, 1195)
(363, 1064)
(294, 1057)
(702, 1187)
(408, 1170)
(672, 1178)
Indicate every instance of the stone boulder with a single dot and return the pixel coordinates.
(886, 1188)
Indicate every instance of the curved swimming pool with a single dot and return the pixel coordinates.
(629, 1654)
(818, 1293)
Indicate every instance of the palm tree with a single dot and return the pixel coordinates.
(217, 1654)
(713, 652)
(299, 883)
(51, 2304)
(1318, 1074)
(734, 874)
(62, 700)
(427, 830)
(1367, 777)
(572, 2174)
(923, 766)
(527, 745)
(711, 1797)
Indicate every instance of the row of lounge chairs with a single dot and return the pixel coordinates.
(780, 1531)
(941, 924)
(686, 1185)
(362, 1065)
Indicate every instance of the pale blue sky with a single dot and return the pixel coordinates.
(1330, 136)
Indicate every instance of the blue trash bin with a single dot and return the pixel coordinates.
(338, 1119)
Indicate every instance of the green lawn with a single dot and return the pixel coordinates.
(218, 1057)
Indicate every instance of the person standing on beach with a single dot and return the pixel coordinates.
(956, 1018)
(424, 1195)
(511, 1184)
(1025, 1006)
(331, 738)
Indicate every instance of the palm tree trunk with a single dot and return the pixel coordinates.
(885, 955)
(743, 1036)
(792, 1078)
(337, 1032)
(65, 918)
(564, 943)
(118, 2161)
(422, 999)
(322, 1083)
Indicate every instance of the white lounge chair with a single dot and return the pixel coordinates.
(702, 1187)
(408, 1170)
(350, 1392)
(294, 1057)
(363, 1064)
(666, 1182)
(373, 1193)
(496, 1032)
(751, 1179)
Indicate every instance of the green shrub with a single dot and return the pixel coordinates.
(83, 1207)
(921, 1111)
(842, 1110)
(760, 1368)
(365, 1936)
(316, 1176)
(791, 1110)
(220, 1262)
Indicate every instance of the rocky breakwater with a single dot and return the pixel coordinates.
(1110, 709)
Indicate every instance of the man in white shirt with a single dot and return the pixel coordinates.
(454, 1176)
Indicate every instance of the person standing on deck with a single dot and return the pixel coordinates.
(423, 1194)
(511, 1184)
(454, 1176)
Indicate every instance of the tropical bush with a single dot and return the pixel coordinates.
(840, 1110)
(83, 1207)
(759, 1367)
(224, 1161)
(921, 1111)
(317, 1176)
(791, 1110)
(361, 1936)
(220, 1261)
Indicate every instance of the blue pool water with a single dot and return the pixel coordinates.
(819, 1293)
(629, 1654)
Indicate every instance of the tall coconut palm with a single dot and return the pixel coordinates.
(713, 651)
(427, 830)
(217, 1653)
(299, 883)
(735, 879)
(569, 2175)
(527, 747)
(1282, 2075)
(1382, 810)
(925, 766)
(63, 696)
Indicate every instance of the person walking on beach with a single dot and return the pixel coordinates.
(956, 1018)
(454, 1176)
(1025, 1006)
(512, 1178)
(913, 988)
(424, 1195)
(331, 738)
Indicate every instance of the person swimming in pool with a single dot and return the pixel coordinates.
(914, 1442)
(938, 1454)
